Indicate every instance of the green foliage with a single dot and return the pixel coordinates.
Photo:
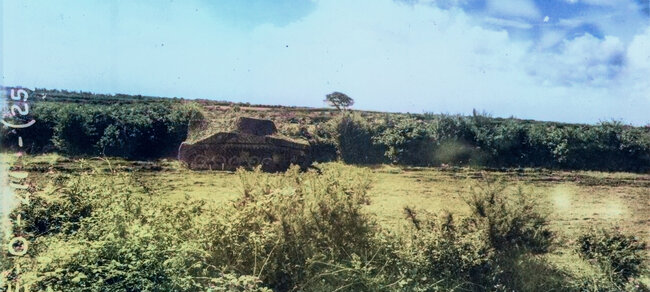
(486, 249)
(234, 283)
(339, 100)
(608, 146)
(511, 220)
(146, 132)
(353, 137)
(323, 149)
(137, 127)
(407, 141)
(119, 244)
(622, 256)
(289, 227)
(36, 138)
(293, 231)
(134, 131)
(78, 129)
(443, 253)
(59, 209)
(287, 230)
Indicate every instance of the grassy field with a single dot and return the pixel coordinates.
(573, 200)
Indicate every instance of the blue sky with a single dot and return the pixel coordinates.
(562, 60)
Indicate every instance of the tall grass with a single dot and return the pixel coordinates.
(293, 231)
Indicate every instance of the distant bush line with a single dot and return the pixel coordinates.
(432, 140)
(133, 131)
(137, 127)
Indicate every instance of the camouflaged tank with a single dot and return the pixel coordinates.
(252, 142)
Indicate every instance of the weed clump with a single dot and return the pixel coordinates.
(620, 255)
(511, 220)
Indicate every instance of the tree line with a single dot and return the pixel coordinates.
(151, 130)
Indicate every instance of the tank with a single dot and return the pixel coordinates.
(251, 143)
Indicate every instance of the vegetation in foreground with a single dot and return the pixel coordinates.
(304, 232)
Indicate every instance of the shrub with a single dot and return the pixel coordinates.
(323, 150)
(36, 138)
(505, 144)
(121, 244)
(300, 231)
(78, 129)
(635, 148)
(147, 131)
(134, 131)
(288, 227)
(59, 208)
(234, 283)
(407, 141)
(445, 254)
(510, 219)
(622, 256)
(287, 230)
(456, 128)
(543, 141)
(353, 136)
(484, 249)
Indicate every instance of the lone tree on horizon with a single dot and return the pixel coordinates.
(339, 100)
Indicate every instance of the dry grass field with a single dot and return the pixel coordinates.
(573, 200)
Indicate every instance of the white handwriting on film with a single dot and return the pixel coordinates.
(17, 245)
(21, 96)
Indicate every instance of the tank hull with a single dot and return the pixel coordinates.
(229, 151)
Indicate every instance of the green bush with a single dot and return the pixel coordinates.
(505, 144)
(139, 131)
(147, 131)
(95, 237)
(492, 248)
(323, 146)
(59, 209)
(622, 256)
(77, 129)
(511, 219)
(407, 141)
(300, 231)
(36, 138)
(234, 283)
(353, 136)
(137, 127)
(443, 253)
(287, 228)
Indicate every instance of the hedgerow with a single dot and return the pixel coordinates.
(134, 131)
(144, 128)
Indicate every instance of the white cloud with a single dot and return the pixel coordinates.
(517, 8)
(444, 60)
(549, 37)
(638, 70)
(597, 2)
(639, 51)
(387, 55)
(621, 20)
(585, 60)
(501, 22)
